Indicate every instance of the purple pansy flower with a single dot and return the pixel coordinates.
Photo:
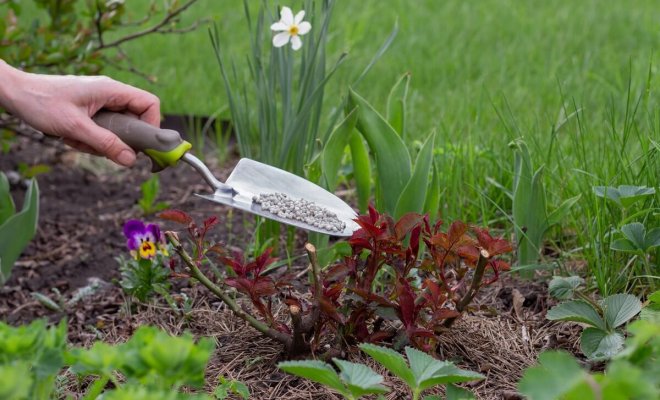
(143, 240)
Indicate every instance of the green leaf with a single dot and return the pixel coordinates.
(360, 379)
(627, 381)
(314, 370)
(391, 155)
(556, 375)
(625, 195)
(7, 207)
(396, 105)
(414, 194)
(227, 387)
(15, 381)
(623, 245)
(563, 288)
(333, 151)
(652, 238)
(18, 231)
(597, 344)
(577, 311)
(562, 211)
(635, 232)
(430, 372)
(361, 170)
(457, 393)
(392, 360)
(620, 308)
(432, 202)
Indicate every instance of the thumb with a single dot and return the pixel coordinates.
(106, 143)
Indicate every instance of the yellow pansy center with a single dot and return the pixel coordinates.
(293, 30)
(147, 249)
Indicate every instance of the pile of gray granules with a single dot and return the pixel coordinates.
(300, 210)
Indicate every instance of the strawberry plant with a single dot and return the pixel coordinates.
(385, 290)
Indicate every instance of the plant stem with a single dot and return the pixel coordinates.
(199, 275)
(474, 286)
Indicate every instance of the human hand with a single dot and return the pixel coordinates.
(63, 106)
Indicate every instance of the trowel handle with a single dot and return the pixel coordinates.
(164, 146)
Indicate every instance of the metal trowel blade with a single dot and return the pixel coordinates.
(251, 178)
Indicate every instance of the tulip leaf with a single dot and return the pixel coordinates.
(18, 230)
(432, 202)
(396, 105)
(7, 207)
(391, 156)
(361, 170)
(333, 151)
(414, 194)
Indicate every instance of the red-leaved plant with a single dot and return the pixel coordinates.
(361, 297)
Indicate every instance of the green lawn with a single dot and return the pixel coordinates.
(576, 79)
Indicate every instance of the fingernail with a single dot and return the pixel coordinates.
(126, 158)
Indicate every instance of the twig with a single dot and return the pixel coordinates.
(312, 318)
(155, 28)
(199, 275)
(474, 286)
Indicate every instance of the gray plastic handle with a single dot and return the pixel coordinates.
(163, 146)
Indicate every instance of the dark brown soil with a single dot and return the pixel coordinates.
(84, 203)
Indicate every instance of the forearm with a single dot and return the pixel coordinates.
(10, 83)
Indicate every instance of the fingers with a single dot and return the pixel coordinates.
(102, 141)
(122, 97)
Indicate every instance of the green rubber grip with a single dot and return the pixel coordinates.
(163, 146)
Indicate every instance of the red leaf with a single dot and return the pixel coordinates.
(414, 240)
(407, 309)
(379, 336)
(210, 222)
(372, 297)
(500, 265)
(373, 214)
(241, 284)
(406, 224)
(456, 231)
(469, 253)
(263, 286)
(333, 291)
(330, 310)
(337, 273)
(444, 313)
(177, 216)
(494, 246)
(264, 260)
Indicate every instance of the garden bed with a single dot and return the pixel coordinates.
(84, 203)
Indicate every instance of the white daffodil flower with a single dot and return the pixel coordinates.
(290, 28)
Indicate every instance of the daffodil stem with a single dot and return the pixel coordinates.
(472, 291)
(216, 290)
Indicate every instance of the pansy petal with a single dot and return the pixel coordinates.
(279, 26)
(287, 16)
(296, 43)
(281, 39)
(299, 17)
(133, 227)
(153, 233)
(304, 27)
(132, 243)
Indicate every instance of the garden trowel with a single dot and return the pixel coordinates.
(247, 182)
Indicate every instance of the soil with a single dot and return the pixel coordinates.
(85, 201)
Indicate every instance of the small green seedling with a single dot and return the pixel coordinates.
(147, 202)
(356, 380)
(600, 340)
(424, 371)
(228, 387)
(16, 228)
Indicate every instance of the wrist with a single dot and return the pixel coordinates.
(10, 85)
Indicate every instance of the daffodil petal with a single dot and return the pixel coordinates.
(278, 26)
(299, 17)
(304, 27)
(296, 43)
(287, 16)
(281, 39)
